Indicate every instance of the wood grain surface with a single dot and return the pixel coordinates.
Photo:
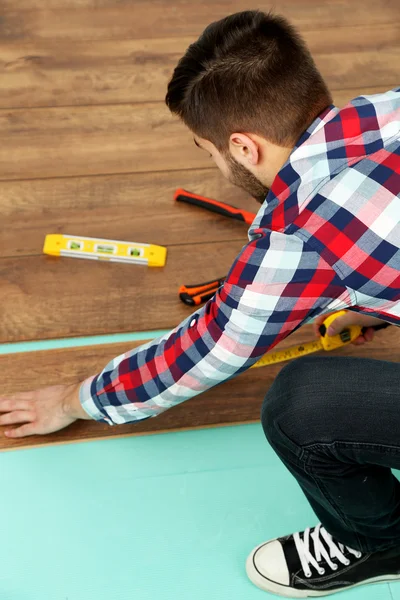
(133, 206)
(97, 140)
(233, 402)
(82, 140)
(87, 147)
(57, 73)
(45, 297)
(138, 19)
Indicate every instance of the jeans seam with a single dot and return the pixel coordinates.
(353, 445)
(305, 457)
(295, 447)
(324, 492)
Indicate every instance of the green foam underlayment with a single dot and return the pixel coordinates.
(165, 517)
(79, 341)
(93, 340)
(160, 517)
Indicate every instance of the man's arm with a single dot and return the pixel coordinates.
(276, 284)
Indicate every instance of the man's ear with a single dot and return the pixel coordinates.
(244, 148)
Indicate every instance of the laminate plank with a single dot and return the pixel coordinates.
(138, 207)
(49, 297)
(57, 73)
(133, 19)
(50, 142)
(236, 401)
(98, 140)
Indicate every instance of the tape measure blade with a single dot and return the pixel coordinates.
(291, 353)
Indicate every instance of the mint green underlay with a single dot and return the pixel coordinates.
(93, 340)
(79, 341)
(160, 517)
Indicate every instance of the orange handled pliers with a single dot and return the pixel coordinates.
(196, 294)
(218, 207)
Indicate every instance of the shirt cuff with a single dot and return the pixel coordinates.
(88, 404)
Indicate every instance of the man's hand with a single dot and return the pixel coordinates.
(350, 318)
(42, 411)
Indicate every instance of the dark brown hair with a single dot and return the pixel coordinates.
(250, 72)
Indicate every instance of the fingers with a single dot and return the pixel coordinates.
(320, 319)
(20, 396)
(317, 324)
(21, 401)
(18, 409)
(19, 432)
(340, 323)
(360, 341)
(17, 416)
(10, 404)
(369, 334)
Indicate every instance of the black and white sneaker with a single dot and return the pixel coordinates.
(313, 564)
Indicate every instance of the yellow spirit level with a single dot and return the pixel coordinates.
(100, 249)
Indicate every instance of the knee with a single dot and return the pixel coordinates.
(287, 403)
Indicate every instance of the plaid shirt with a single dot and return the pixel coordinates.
(326, 238)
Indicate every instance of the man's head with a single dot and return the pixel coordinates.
(247, 89)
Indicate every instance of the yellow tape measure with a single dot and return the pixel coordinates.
(100, 249)
(326, 342)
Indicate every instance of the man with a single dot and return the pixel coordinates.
(327, 237)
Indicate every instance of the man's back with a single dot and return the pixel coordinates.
(340, 193)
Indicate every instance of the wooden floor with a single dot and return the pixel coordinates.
(88, 147)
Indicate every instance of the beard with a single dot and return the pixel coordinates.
(241, 177)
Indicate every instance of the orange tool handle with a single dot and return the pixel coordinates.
(218, 207)
(196, 294)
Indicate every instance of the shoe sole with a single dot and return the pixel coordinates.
(288, 592)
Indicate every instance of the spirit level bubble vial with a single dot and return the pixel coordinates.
(100, 249)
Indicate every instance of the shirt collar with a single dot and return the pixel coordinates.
(287, 180)
(326, 115)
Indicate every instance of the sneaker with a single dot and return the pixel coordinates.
(312, 564)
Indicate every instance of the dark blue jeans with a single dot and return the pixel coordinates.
(335, 423)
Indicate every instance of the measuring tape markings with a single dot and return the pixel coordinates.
(288, 354)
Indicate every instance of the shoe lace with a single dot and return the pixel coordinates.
(336, 550)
